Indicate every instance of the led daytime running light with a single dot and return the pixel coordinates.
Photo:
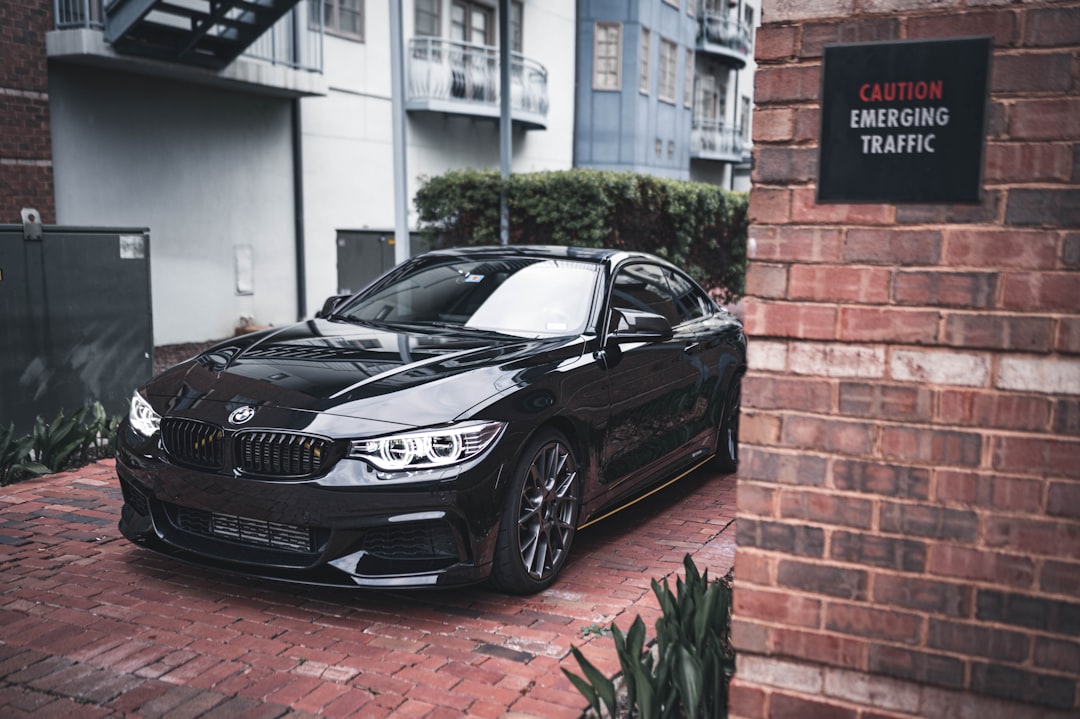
(427, 450)
(142, 417)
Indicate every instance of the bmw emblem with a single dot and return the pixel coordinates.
(241, 414)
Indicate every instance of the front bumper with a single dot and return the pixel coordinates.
(344, 528)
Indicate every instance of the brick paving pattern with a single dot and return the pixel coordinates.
(92, 626)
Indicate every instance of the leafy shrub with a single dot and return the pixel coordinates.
(65, 442)
(687, 674)
(699, 226)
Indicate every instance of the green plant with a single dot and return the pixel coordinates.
(15, 456)
(698, 226)
(687, 672)
(55, 442)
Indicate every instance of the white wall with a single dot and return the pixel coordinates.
(206, 170)
(347, 135)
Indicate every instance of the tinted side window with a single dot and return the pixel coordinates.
(690, 303)
(644, 287)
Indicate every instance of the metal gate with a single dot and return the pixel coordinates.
(75, 319)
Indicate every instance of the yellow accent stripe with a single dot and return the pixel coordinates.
(649, 493)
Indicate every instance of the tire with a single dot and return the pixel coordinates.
(539, 518)
(727, 438)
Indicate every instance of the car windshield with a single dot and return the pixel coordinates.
(520, 296)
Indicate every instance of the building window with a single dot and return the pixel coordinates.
(344, 17)
(744, 121)
(688, 80)
(669, 60)
(643, 85)
(472, 23)
(426, 18)
(607, 56)
(516, 12)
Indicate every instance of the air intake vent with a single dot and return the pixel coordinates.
(255, 532)
(193, 443)
(280, 454)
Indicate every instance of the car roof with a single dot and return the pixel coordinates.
(602, 255)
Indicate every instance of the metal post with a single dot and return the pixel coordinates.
(397, 113)
(505, 137)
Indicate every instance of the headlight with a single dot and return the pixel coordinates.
(427, 449)
(142, 416)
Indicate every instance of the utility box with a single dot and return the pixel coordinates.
(75, 319)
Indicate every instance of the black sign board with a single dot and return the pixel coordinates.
(903, 121)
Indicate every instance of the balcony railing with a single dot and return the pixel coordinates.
(714, 140)
(724, 35)
(295, 41)
(463, 79)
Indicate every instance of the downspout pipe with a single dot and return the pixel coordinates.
(298, 211)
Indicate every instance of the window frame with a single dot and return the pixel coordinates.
(667, 78)
(646, 45)
(688, 79)
(332, 21)
(437, 15)
(617, 27)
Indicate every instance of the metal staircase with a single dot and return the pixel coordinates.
(205, 33)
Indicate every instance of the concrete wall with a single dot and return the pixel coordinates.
(207, 171)
(909, 493)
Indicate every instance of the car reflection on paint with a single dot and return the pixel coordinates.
(457, 421)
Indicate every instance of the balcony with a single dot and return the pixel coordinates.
(458, 78)
(285, 60)
(725, 37)
(714, 140)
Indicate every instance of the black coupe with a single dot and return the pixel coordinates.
(458, 420)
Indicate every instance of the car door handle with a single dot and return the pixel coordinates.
(692, 348)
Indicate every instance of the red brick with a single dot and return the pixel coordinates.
(995, 409)
(783, 706)
(1037, 455)
(873, 623)
(899, 325)
(900, 554)
(1033, 537)
(984, 212)
(1043, 207)
(999, 331)
(780, 537)
(784, 164)
(1012, 249)
(839, 283)
(805, 208)
(781, 607)
(932, 446)
(786, 84)
(967, 638)
(745, 700)
(797, 244)
(824, 579)
(815, 36)
(1051, 27)
(774, 125)
(901, 247)
(1034, 162)
(921, 594)
(956, 289)
(831, 649)
(769, 205)
(774, 43)
(756, 500)
(801, 394)
(956, 562)
(1046, 119)
(1058, 655)
(1060, 577)
(766, 281)
(826, 508)
(891, 480)
(912, 665)
(777, 319)
(829, 435)
(1041, 291)
(1068, 335)
(1000, 25)
(893, 402)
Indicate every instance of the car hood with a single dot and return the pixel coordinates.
(345, 370)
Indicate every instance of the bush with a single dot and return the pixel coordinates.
(63, 443)
(701, 227)
(687, 674)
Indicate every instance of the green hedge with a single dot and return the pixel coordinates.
(698, 226)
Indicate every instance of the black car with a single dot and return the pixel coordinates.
(457, 420)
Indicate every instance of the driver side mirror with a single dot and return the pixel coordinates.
(331, 305)
(629, 325)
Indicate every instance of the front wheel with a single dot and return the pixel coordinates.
(727, 440)
(540, 516)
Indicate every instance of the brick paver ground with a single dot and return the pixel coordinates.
(92, 626)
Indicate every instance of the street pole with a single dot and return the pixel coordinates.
(505, 136)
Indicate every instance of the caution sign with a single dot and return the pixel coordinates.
(904, 121)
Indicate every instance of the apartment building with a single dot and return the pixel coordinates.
(666, 87)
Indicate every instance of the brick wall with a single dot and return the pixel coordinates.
(26, 178)
(909, 493)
